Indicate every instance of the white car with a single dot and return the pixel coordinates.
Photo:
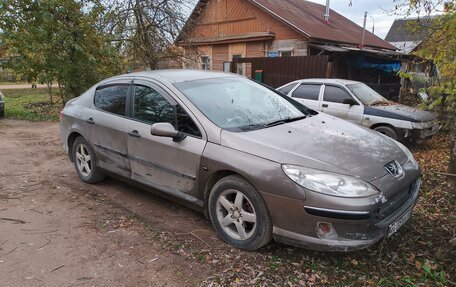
(358, 103)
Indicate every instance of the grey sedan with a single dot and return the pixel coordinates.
(259, 164)
(2, 105)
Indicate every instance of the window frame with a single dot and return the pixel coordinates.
(167, 97)
(205, 65)
(126, 82)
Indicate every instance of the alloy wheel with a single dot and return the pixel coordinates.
(236, 214)
(83, 160)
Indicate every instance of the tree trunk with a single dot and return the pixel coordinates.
(49, 86)
(452, 164)
(62, 96)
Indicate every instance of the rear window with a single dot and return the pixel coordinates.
(308, 92)
(112, 98)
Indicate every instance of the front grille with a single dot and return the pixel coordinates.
(400, 199)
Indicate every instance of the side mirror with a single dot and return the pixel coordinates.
(167, 130)
(350, 102)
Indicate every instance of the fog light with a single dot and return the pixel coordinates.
(326, 230)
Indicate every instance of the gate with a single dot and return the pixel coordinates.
(281, 70)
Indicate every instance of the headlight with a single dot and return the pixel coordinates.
(408, 153)
(328, 183)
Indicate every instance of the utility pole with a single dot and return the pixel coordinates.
(361, 46)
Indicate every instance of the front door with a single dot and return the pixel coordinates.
(335, 102)
(308, 94)
(107, 127)
(160, 162)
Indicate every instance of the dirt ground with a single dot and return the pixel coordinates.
(57, 231)
(21, 86)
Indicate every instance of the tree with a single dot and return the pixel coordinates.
(62, 41)
(439, 47)
(146, 29)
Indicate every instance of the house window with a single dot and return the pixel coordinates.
(205, 63)
(286, 53)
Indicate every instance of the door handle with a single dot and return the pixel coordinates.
(90, 121)
(134, 134)
(324, 105)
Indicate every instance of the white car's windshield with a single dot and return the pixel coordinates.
(239, 104)
(366, 95)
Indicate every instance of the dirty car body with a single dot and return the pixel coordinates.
(358, 103)
(259, 164)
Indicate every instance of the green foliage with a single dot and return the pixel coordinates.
(30, 104)
(440, 48)
(55, 40)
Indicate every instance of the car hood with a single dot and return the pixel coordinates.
(321, 142)
(400, 112)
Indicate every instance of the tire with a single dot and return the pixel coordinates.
(85, 161)
(388, 131)
(239, 214)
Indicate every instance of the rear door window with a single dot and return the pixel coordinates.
(336, 95)
(112, 98)
(307, 91)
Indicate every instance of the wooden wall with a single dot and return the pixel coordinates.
(223, 18)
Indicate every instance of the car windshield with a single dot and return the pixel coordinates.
(238, 104)
(366, 95)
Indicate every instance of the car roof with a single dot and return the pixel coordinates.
(178, 75)
(330, 81)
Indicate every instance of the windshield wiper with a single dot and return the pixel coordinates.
(283, 121)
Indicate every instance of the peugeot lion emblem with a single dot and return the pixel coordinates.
(394, 168)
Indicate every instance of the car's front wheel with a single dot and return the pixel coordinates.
(85, 161)
(239, 214)
(388, 131)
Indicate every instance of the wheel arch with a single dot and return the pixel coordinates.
(383, 124)
(70, 140)
(212, 180)
(399, 131)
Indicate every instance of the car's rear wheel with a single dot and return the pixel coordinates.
(387, 131)
(85, 161)
(239, 214)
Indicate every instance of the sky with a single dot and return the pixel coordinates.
(376, 9)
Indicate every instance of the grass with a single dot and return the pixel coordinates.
(31, 104)
(12, 83)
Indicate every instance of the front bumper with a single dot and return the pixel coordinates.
(424, 130)
(354, 230)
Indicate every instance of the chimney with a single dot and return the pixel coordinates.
(327, 12)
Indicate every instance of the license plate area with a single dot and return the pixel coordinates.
(394, 227)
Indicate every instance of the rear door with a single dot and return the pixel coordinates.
(334, 103)
(308, 94)
(160, 162)
(107, 126)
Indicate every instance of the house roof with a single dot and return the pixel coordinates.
(307, 19)
(410, 30)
